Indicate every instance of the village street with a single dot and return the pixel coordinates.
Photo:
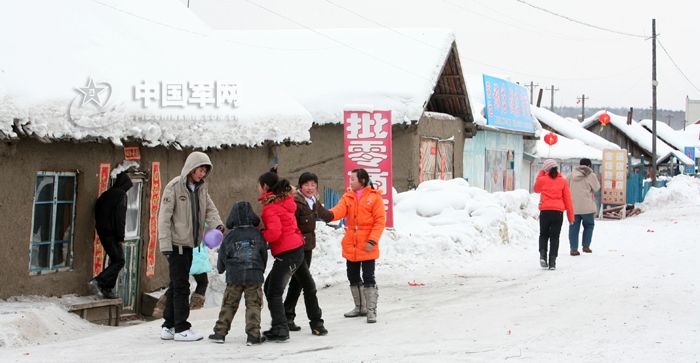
(633, 299)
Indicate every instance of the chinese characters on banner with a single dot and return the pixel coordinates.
(614, 177)
(368, 146)
(690, 152)
(98, 256)
(132, 153)
(507, 105)
(154, 206)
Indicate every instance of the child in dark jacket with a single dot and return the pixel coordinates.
(243, 256)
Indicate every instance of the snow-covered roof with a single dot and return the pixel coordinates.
(564, 149)
(679, 139)
(570, 129)
(51, 49)
(640, 136)
(331, 70)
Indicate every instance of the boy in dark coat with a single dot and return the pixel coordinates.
(309, 208)
(110, 221)
(243, 256)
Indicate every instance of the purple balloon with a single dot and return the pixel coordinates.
(213, 238)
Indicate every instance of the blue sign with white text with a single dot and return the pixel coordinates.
(507, 105)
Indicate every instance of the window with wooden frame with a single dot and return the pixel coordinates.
(53, 222)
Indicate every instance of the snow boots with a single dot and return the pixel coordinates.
(216, 338)
(160, 306)
(587, 249)
(197, 301)
(371, 295)
(358, 295)
(543, 261)
(552, 263)
(575, 252)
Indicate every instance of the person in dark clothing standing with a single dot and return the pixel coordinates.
(308, 210)
(243, 256)
(110, 221)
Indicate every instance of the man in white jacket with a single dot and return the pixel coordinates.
(184, 209)
(583, 184)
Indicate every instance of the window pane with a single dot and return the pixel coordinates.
(44, 189)
(40, 257)
(61, 255)
(66, 186)
(133, 211)
(41, 231)
(64, 219)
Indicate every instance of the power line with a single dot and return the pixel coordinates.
(581, 22)
(370, 55)
(418, 40)
(199, 34)
(676, 65)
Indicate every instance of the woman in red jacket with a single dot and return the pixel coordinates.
(555, 198)
(287, 247)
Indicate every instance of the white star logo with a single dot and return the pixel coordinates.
(91, 93)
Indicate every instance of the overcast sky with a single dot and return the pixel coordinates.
(509, 38)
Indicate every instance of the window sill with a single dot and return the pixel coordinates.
(51, 271)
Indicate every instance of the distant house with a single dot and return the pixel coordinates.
(635, 139)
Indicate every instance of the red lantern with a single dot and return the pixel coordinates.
(604, 118)
(550, 139)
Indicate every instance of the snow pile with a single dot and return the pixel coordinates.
(31, 320)
(639, 135)
(158, 93)
(681, 191)
(439, 225)
(570, 129)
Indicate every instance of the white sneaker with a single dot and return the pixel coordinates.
(167, 334)
(188, 335)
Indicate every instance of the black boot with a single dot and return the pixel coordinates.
(317, 328)
(552, 263)
(253, 340)
(543, 261)
(292, 326)
(216, 338)
(273, 336)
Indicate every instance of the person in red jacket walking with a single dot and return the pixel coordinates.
(287, 247)
(555, 198)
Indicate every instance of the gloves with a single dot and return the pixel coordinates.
(370, 245)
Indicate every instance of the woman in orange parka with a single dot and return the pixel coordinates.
(363, 207)
(555, 198)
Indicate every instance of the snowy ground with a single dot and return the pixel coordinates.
(633, 299)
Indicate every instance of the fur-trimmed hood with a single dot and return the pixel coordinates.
(270, 197)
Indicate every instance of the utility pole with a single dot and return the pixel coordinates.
(551, 98)
(539, 97)
(583, 99)
(654, 83)
(532, 91)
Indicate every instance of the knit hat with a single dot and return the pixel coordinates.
(549, 164)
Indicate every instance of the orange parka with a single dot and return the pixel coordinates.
(365, 220)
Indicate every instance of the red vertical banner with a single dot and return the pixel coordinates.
(154, 205)
(98, 257)
(367, 136)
